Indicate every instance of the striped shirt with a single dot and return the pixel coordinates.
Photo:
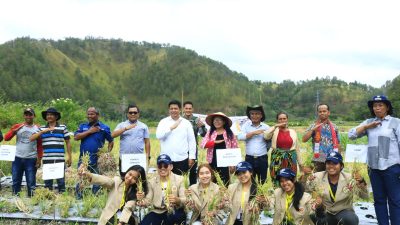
(53, 143)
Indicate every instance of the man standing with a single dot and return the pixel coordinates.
(92, 135)
(325, 137)
(252, 132)
(28, 153)
(198, 128)
(177, 139)
(134, 134)
(53, 136)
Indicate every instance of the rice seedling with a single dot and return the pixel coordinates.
(89, 202)
(8, 207)
(21, 205)
(212, 208)
(71, 176)
(64, 203)
(186, 184)
(42, 194)
(168, 192)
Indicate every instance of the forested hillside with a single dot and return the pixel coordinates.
(113, 73)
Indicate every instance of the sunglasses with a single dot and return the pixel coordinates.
(133, 113)
(162, 165)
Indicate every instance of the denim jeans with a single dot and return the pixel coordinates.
(19, 166)
(95, 188)
(385, 186)
(178, 217)
(60, 184)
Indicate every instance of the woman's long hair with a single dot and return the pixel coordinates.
(132, 190)
(298, 194)
(226, 127)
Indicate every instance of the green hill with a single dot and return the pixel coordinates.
(113, 73)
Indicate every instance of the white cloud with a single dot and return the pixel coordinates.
(266, 40)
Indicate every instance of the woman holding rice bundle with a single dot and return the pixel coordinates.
(285, 147)
(337, 188)
(201, 195)
(291, 204)
(124, 191)
(240, 196)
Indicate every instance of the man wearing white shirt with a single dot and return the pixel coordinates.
(177, 139)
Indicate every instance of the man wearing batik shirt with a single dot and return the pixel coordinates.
(53, 136)
(325, 137)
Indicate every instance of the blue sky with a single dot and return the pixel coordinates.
(264, 40)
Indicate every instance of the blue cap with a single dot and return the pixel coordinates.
(243, 166)
(164, 158)
(287, 173)
(334, 157)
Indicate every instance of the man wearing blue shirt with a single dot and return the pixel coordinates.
(92, 135)
(252, 132)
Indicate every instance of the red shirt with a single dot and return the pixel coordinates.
(284, 141)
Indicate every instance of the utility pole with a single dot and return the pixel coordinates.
(316, 104)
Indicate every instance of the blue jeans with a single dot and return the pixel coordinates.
(260, 166)
(385, 186)
(95, 188)
(179, 217)
(19, 166)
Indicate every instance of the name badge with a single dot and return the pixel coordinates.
(7, 152)
(228, 157)
(128, 160)
(53, 171)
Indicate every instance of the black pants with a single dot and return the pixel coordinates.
(260, 166)
(111, 221)
(193, 174)
(181, 167)
(238, 222)
(179, 217)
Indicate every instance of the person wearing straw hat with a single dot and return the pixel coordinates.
(53, 136)
(337, 188)
(383, 131)
(220, 136)
(28, 155)
(252, 132)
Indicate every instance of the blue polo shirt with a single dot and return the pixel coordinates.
(93, 142)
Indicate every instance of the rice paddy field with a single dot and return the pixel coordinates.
(90, 207)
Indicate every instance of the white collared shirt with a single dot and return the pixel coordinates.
(179, 143)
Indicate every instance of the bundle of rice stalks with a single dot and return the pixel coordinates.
(71, 176)
(186, 184)
(22, 206)
(106, 163)
(82, 180)
(39, 176)
(212, 209)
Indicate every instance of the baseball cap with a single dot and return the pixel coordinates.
(243, 166)
(164, 158)
(287, 173)
(334, 157)
(29, 110)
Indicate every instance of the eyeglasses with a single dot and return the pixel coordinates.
(162, 165)
(133, 113)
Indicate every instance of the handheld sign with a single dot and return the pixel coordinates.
(128, 160)
(7, 152)
(53, 171)
(356, 153)
(228, 157)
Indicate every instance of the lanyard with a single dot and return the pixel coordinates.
(123, 197)
(331, 194)
(288, 202)
(242, 200)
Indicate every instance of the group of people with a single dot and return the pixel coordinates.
(178, 135)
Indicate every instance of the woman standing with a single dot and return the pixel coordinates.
(292, 205)
(220, 136)
(202, 193)
(122, 195)
(383, 133)
(285, 147)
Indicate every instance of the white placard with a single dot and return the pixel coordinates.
(228, 157)
(53, 171)
(356, 153)
(128, 160)
(7, 152)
